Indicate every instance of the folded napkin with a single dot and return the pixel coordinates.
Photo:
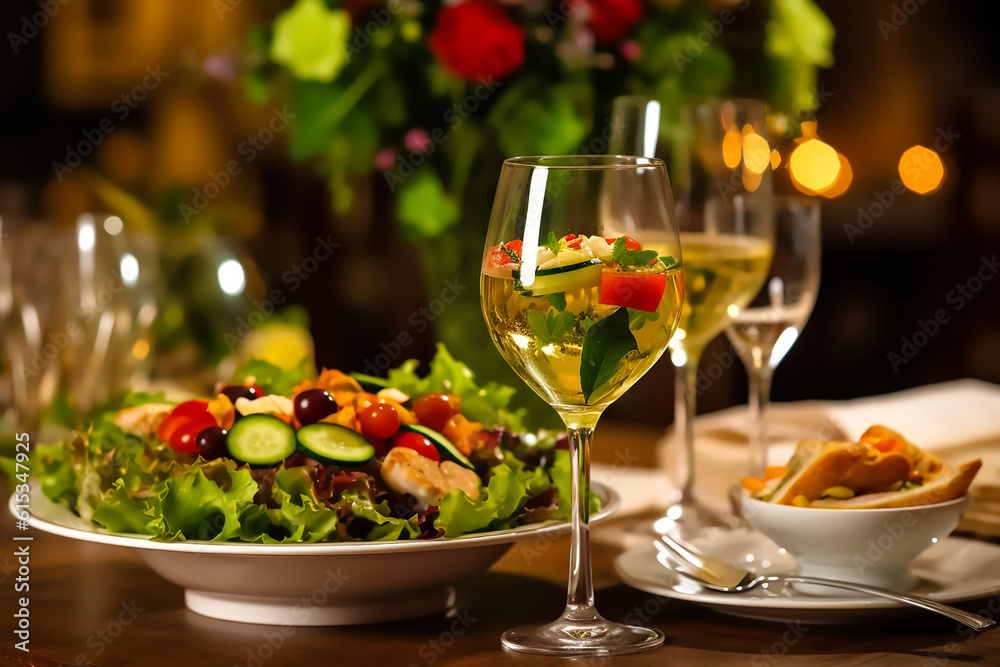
(958, 421)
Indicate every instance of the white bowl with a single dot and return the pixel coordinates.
(870, 546)
(313, 584)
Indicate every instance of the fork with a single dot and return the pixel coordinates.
(716, 575)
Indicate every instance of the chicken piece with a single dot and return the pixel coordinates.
(406, 471)
(142, 419)
(270, 404)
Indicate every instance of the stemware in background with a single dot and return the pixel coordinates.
(763, 333)
(720, 155)
(110, 274)
(32, 316)
(578, 333)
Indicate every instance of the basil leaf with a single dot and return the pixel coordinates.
(558, 300)
(668, 260)
(637, 318)
(605, 345)
(626, 258)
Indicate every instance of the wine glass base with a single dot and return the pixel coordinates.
(581, 638)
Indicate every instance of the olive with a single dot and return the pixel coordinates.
(313, 405)
(211, 442)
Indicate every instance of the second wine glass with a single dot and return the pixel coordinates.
(720, 160)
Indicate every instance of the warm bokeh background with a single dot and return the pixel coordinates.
(888, 91)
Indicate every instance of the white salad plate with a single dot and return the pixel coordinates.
(312, 584)
(952, 570)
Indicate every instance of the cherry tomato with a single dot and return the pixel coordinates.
(185, 438)
(182, 415)
(434, 410)
(630, 243)
(379, 420)
(641, 292)
(417, 443)
(498, 257)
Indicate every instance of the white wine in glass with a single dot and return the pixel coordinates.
(719, 155)
(580, 307)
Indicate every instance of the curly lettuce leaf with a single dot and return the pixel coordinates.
(387, 527)
(509, 488)
(300, 516)
(274, 379)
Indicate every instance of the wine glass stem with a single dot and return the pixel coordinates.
(580, 592)
(685, 402)
(760, 395)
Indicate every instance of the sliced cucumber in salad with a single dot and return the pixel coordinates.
(260, 440)
(564, 278)
(332, 443)
(447, 450)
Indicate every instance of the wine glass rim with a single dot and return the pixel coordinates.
(584, 162)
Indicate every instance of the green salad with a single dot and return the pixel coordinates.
(287, 456)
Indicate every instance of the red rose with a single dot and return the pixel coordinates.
(476, 39)
(609, 20)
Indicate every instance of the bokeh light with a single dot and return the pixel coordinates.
(756, 152)
(814, 164)
(231, 277)
(732, 148)
(921, 170)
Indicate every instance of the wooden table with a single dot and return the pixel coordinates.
(99, 605)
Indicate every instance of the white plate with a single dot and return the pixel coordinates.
(953, 570)
(312, 584)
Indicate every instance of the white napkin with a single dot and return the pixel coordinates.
(957, 420)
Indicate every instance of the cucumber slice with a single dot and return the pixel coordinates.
(260, 440)
(568, 278)
(333, 443)
(445, 448)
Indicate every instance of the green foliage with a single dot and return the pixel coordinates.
(311, 39)
(423, 207)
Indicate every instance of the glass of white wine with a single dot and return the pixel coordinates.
(763, 333)
(581, 307)
(721, 171)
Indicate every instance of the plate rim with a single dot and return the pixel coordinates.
(817, 604)
(611, 502)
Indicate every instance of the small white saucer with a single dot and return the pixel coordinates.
(953, 570)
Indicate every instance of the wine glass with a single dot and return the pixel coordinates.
(720, 157)
(581, 291)
(763, 333)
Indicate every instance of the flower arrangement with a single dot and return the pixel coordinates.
(430, 97)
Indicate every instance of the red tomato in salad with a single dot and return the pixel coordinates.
(434, 410)
(182, 415)
(630, 243)
(417, 443)
(573, 241)
(185, 438)
(638, 291)
(498, 257)
(379, 420)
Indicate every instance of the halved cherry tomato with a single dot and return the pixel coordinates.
(379, 420)
(630, 243)
(638, 291)
(181, 415)
(185, 438)
(434, 410)
(417, 443)
(498, 257)
(573, 241)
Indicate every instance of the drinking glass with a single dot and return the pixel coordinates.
(720, 163)
(763, 333)
(580, 330)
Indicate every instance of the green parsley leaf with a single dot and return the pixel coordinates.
(550, 327)
(558, 301)
(626, 258)
(607, 342)
(637, 318)
(552, 243)
(668, 260)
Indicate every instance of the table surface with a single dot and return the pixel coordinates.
(79, 591)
